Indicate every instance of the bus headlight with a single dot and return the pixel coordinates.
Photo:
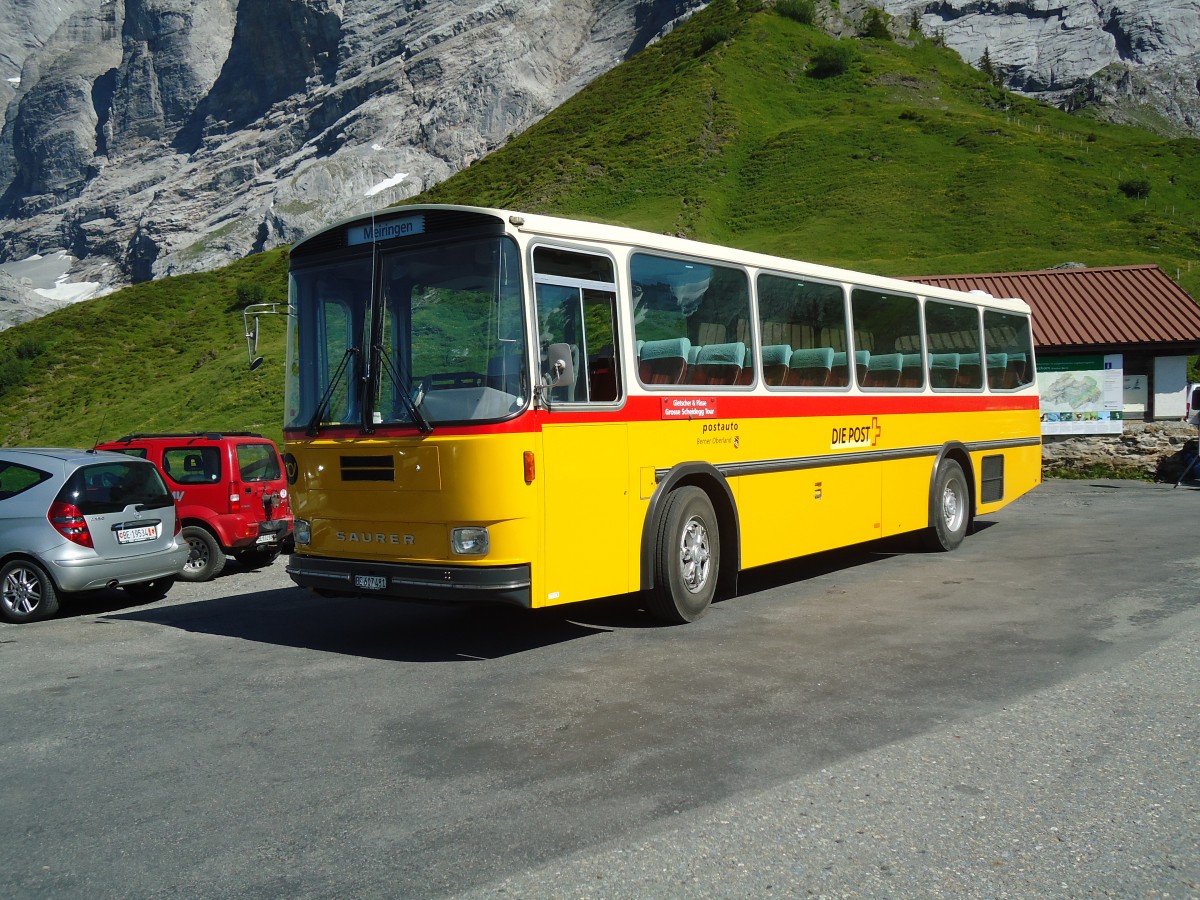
(469, 541)
(301, 531)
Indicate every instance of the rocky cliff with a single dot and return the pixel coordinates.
(1140, 60)
(151, 137)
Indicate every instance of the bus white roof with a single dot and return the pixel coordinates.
(583, 230)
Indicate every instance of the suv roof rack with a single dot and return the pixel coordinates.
(207, 435)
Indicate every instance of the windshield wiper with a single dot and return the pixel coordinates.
(319, 412)
(411, 399)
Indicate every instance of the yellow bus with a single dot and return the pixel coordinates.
(488, 405)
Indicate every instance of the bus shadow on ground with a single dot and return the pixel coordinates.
(416, 632)
(378, 629)
(806, 568)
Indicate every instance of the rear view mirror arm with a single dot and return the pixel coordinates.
(254, 310)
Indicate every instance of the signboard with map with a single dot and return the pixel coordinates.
(1081, 394)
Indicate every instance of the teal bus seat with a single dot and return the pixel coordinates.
(775, 358)
(719, 363)
(883, 370)
(943, 370)
(811, 367)
(663, 362)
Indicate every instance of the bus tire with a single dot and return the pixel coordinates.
(949, 506)
(687, 557)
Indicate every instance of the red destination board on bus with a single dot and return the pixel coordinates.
(689, 407)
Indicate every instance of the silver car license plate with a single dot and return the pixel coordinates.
(370, 582)
(137, 534)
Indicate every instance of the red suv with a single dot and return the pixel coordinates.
(230, 492)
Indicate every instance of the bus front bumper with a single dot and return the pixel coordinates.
(408, 581)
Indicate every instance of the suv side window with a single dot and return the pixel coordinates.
(192, 465)
(16, 479)
(258, 462)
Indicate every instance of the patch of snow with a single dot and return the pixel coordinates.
(69, 291)
(384, 185)
(49, 277)
(14, 81)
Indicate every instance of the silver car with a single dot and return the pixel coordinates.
(79, 520)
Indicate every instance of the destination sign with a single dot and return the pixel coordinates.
(689, 407)
(385, 229)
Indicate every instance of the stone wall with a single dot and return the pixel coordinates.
(1142, 446)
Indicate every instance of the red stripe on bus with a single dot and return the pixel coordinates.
(644, 408)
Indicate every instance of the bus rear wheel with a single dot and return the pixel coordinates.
(687, 557)
(950, 507)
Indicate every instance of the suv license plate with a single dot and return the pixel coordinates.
(137, 535)
(265, 539)
(370, 582)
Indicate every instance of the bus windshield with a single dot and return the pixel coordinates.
(419, 335)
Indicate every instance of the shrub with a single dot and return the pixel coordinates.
(803, 11)
(12, 373)
(832, 59)
(875, 24)
(30, 348)
(1135, 188)
(249, 292)
(717, 34)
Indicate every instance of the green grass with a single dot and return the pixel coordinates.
(163, 356)
(908, 163)
(1099, 471)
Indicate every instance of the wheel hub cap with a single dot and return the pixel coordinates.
(694, 556)
(951, 508)
(21, 593)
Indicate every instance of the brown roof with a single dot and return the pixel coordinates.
(1092, 308)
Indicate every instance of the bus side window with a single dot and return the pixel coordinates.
(691, 319)
(1009, 346)
(577, 305)
(889, 327)
(803, 325)
(952, 333)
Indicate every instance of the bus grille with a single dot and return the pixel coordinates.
(368, 468)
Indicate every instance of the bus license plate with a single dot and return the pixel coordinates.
(137, 535)
(370, 582)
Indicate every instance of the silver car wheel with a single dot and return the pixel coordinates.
(22, 591)
(26, 592)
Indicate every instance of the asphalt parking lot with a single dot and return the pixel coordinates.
(1014, 719)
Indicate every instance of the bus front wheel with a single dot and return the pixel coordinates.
(687, 557)
(950, 507)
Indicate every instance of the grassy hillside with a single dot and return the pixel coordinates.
(168, 355)
(909, 162)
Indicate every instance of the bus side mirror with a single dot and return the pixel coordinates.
(250, 316)
(252, 345)
(561, 371)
